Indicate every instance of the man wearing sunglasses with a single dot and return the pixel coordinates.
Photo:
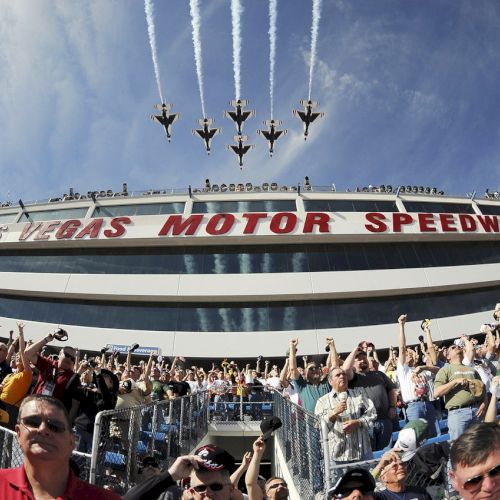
(208, 471)
(355, 484)
(56, 378)
(475, 462)
(47, 441)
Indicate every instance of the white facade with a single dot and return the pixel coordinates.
(300, 227)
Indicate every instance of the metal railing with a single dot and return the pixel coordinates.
(229, 408)
(163, 429)
(303, 438)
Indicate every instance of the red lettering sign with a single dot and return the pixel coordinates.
(377, 225)
(400, 220)
(426, 223)
(316, 219)
(28, 230)
(448, 223)
(118, 225)
(91, 230)
(467, 223)
(43, 233)
(252, 221)
(68, 230)
(489, 223)
(290, 222)
(227, 224)
(178, 226)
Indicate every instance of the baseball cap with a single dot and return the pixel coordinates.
(410, 438)
(354, 478)
(149, 461)
(215, 458)
(269, 425)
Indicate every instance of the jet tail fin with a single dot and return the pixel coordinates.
(306, 103)
(241, 102)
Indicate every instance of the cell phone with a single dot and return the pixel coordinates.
(420, 338)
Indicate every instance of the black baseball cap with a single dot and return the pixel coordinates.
(269, 425)
(215, 458)
(357, 478)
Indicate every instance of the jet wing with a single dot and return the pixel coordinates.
(213, 132)
(234, 148)
(265, 133)
(247, 114)
(246, 149)
(200, 132)
(158, 118)
(302, 115)
(232, 115)
(313, 116)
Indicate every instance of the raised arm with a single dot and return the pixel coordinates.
(32, 351)
(402, 339)
(11, 350)
(332, 359)
(348, 365)
(22, 349)
(284, 374)
(431, 350)
(253, 489)
(292, 359)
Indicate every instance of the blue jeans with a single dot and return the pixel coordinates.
(381, 433)
(424, 409)
(460, 420)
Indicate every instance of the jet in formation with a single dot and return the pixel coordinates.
(240, 149)
(272, 135)
(307, 116)
(166, 118)
(206, 133)
(239, 116)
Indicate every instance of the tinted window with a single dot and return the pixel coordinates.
(243, 206)
(249, 316)
(250, 259)
(139, 209)
(67, 213)
(490, 209)
(350, 206)
(438, 207)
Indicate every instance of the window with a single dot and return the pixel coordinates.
(438, 207)
(350, 206)
(218, 207)
(62, 214)
(138, 209)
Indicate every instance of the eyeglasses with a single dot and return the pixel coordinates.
(345, 492)
(200, 488)
(277, 485)
(68, 355)
(35, 421)
(474, 482)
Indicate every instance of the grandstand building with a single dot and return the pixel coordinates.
(237, 270)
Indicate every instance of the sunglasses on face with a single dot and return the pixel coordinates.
(35, 421)
(203, 487)
(474, 482)
(69, 356)
(345, 492)
(277, 485)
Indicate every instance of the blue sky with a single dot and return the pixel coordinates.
(410, 91)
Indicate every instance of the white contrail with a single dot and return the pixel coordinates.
(236, 11)
(194, 9)
(273, 14)
(148, 8)
(316, 15)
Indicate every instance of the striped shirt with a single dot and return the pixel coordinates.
(355, 445)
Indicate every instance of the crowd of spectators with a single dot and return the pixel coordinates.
(361, 399)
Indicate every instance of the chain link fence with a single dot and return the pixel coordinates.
(304, 441)
(12, 455)
(229, 408)
(300, 442)
(163, 429)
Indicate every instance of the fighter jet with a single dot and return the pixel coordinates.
(307, 116)
(239, 148)
(239, 116)
(272, 135)
(166, 118)
(206, 133)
